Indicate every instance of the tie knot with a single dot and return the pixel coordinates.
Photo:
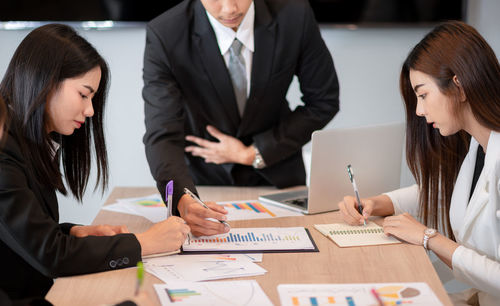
(236, 46)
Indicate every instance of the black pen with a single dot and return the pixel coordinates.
(351, 177)
(192, 195)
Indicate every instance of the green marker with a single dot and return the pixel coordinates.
(140, 276)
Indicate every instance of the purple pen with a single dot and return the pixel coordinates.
(169, 191)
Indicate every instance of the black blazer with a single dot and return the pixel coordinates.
(34, 247)
(187, 86)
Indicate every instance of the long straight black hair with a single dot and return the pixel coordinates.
(451, 49)
(47, 56)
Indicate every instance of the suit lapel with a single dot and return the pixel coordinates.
(213, 62)
(481, 194)
(264, 39)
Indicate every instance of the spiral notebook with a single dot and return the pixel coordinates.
(345, 235)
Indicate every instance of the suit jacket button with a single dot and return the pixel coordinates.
(112, 264)
(119, 262)
(125, 260)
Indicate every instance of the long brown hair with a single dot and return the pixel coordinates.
(45, 58)
(452, 48)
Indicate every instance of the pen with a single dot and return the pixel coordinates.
(169, 191)
(356, 192)
(192, 195)
(140, 276)
(377, 297)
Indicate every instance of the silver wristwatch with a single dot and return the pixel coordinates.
(428, 234)
(258, 161)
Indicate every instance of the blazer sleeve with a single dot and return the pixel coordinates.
(29, 230)
(164, 118)
(469, 265)
(477, 270)
(320, 89)
(405, 200)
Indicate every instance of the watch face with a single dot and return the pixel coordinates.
(430, 232)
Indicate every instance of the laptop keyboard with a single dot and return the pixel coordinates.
(302, 202)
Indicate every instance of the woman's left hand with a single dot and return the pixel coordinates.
(404, 227)
(97, 230)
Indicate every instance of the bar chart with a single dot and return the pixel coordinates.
(252, 239)
(252, 209)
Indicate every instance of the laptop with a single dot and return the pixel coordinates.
(374, 153)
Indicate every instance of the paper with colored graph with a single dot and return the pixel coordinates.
(265, 239)
(150, 207)
(345, 235)
(253, 209)
(414, 294)
(233, 293)
(202, 267)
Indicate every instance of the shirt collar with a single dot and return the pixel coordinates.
(225, 35)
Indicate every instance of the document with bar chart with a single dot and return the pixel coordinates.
(415, 294)
(248, 240)
(233, 293)
(253, 209)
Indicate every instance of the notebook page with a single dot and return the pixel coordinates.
(345, 235)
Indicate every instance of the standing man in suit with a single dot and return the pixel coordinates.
(216, 74)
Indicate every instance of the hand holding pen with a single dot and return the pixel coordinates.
(356, 192)
(205, 219)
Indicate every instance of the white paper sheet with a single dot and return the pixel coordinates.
(230, 293)
(150, 207)
(202, 267)
(250, 239)
(414, 294)
(253, 209)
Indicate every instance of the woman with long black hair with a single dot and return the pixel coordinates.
(55, 91)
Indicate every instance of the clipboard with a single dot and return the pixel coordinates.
(253, 240)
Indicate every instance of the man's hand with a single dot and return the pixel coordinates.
(196, 217)
(228, 150)
(97, 230)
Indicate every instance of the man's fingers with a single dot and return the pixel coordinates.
(216, 207)
(215, 132)
(200, 141)
(198, 151)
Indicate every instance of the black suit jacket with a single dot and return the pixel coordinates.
(187, 86)
(34, 247)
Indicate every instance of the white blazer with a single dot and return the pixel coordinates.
(475, 223)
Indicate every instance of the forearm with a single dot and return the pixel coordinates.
(382, 205)
(443, 248)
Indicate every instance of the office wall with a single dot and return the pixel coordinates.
(367, 62)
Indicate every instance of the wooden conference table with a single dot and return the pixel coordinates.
(389, 263)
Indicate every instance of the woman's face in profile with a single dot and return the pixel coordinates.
(71, 103)
(436, 107)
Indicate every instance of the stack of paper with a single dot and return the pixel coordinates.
(202, 267)
(231, 293)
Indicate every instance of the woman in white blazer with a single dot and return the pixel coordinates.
(450, 84)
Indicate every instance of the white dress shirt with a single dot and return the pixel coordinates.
(225, 37)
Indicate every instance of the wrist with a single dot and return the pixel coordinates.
(258, 161)
(248, 155)
(182, 204)
(429, 233)
(142, 242)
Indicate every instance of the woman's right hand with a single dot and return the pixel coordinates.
(164, 236)
(349, 210)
